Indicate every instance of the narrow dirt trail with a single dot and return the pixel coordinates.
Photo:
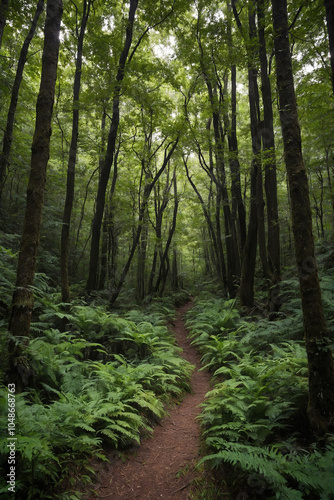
(163, 466)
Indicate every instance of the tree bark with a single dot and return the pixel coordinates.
(269, 161)
(105, 172)
(234, 162)
(175, 274)
(330, 29)
(231, 124)
(107, 210)
(233, 268)
(246, 290)
(8, 135)
(23, 300)
(320, 361)
(3, 17)
(65, 233)
(141, 262)
(232, 252)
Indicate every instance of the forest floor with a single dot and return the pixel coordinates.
(163, 466)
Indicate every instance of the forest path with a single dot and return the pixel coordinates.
(163, 466)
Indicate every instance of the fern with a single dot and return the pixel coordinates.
(104, 381)
(313, 472)
(248, 417)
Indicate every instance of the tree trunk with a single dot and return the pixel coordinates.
(330, 29)
(104, 250)
(320, 361)
(147, 191)
(233, 270)
(269, 161)
(105, 172)
(3, 17)
(218, 244)
(234, 162)
(107, 220)
(141, 262)
(246, 290)
(8, 135)
(233, 266)
(65, 232)
(159, 211)
(154, 261)
(163, 271)
(231, 125)
(23, 300)
(175, 274)
(216, 241)
(330, 184)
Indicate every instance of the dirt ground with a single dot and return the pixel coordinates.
(163, 465)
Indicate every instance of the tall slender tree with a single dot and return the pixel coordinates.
(218, 252)
(169, 150)
(269, 161)
(231, 125)
(65, 233)
(216, 98)
(330, 29)
(320, 360)
(3, 17)
(164, 262)
(235, 165)
(246, 290)
(92, 281)
(23, 298)
(8, 135)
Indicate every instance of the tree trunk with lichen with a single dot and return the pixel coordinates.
(320, 360)
(23, 299)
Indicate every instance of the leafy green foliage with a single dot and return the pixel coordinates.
(254, 419)
(215, 327)
(274, 471)
(7, 271)
(100, 384)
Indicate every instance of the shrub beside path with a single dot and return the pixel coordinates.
(163, 466)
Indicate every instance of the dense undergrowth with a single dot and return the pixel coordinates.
(99, 384)
(254, 420)
(99, 381)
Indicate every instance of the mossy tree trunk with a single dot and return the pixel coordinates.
(23, 299)
(320, 360)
